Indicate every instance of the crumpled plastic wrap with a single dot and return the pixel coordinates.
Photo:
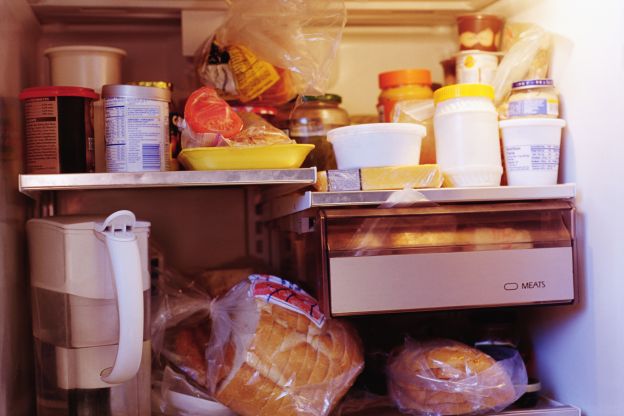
(264, 348)
(446, 377)
(272, 50)
(256, 132)
(528, 51)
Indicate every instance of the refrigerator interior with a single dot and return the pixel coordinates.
(576, 348)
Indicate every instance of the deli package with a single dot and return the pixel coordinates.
(446, 377)
(264, 348)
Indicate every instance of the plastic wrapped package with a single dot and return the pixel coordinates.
(528, 57)
(445, 377)
(421, 112)
(264, 348)
(271, 50)
(384, 178)
(209, 122)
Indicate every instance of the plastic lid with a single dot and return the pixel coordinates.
(40, 92)
(403, 77)
(479, 16)
(530, 83)
(377, 128)
(83, 49)
(136, 91)
(77, 222)
(463, 90)
(157, 84)
(326, 98)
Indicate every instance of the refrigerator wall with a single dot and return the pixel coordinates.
(18, 31)
(579, 349)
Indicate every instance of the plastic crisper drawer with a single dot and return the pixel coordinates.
(454, 256)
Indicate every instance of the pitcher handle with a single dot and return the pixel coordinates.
(125, 259)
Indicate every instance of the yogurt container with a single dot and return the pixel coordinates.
(136, 128)
(476, 67)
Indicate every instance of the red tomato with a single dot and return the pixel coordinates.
(206, 112)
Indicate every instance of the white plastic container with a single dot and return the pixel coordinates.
(476, 67)
(377, 145)
(531, 147)
(85, 65)
(136, 128)
(466, 135)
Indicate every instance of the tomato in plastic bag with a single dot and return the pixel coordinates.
(206, 112)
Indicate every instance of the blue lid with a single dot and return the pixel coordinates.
(532, 83)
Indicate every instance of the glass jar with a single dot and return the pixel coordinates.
(402, 85)
(533, 98)
(309, 124)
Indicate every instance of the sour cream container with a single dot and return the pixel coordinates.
(136, 128)
(466, 135)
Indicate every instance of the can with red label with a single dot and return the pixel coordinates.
(59, 129)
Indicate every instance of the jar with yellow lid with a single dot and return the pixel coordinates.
(402, 85)
(466, 135)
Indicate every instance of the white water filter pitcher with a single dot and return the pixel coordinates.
(90, 296)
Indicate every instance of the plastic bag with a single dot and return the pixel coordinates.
(527, 58)
(445, 377)
(256, 131)
(269, 349)
(271, 50)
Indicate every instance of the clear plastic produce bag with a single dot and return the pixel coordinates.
(445, 377)
(272, 50)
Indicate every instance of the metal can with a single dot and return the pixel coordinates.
(59, 129)
(136, 128)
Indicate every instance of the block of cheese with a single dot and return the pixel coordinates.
(384, 178)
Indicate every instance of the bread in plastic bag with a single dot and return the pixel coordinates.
(269, 351)
(272, 50)
(445, 377)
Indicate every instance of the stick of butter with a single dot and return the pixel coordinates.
(385, 178)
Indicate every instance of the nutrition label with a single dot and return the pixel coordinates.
(136, 133)
(42, 152)
(533, 107)
(532, 157)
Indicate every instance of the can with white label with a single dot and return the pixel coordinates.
(136, 128)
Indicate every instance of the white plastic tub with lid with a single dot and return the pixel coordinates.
(377, 145)
(466, 135)
(85, 65)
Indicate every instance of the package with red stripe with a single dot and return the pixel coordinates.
(265, 348)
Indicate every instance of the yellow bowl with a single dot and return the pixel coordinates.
(278, 156)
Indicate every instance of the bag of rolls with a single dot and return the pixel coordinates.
(263, 349)
(445, 377)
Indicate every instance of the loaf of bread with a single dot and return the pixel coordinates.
(291, 363)
(448, 378)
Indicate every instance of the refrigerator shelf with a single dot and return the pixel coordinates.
(291, 178)
(296, 203)
(545, 407)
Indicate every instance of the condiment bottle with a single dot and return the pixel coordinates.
(401, 85)
(310, 122)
